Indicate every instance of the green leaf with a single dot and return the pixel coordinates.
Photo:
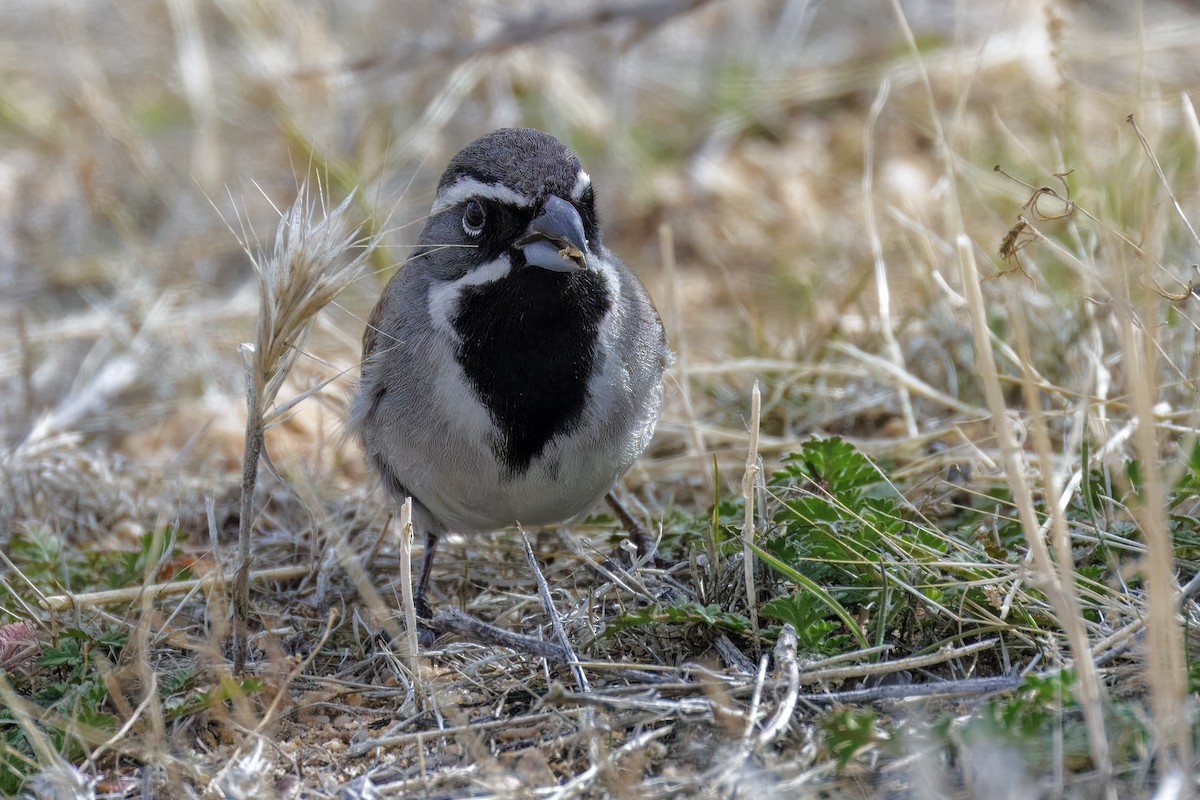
(1133, 471)
(113, 638)
(825, 597)
(68, 653)
(1189, 481)
(685, 612)
(808, 616)
(832, 464)
(847, 732)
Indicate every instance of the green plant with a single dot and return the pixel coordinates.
(70, 688)
(681, 612)
(40, 555)
(856, 549)
(848, 731)
(1042, 720)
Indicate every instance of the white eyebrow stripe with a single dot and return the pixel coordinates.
(465, 188)
(581, 184)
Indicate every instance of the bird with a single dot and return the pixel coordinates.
(512, 369)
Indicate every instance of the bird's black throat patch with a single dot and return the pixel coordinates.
(528, 347)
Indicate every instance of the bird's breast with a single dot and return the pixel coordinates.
(528, 348)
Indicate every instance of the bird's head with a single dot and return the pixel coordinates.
(512, 200)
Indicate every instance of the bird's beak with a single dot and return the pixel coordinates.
(555, 239)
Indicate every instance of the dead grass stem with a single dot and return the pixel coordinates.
(1058, 583)
(312, 262)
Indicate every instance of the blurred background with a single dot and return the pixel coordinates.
(134, 136)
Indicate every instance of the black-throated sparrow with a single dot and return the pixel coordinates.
(512, 369)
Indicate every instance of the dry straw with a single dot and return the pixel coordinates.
(316, 255)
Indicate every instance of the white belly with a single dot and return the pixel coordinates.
(466, 488)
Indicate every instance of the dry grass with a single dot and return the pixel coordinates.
(810, 192)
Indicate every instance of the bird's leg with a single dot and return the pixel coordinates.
(636, 535)
(423, 610)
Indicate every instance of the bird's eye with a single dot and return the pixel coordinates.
(473, 218)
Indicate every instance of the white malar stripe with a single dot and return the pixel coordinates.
(466, 188)
(581, 184)
(443, 297)
(601, 263)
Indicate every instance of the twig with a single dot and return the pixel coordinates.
(1162, 177)
(58, 602)
(1118, 641)
(250, 457)
(637, 535)
(685, 708)
(404, 533)
(636, 673)
(560, 633)
(682, 708)
(837, 674)
(451, 620)
(785, 663)
(474, 727)
(964, 687)
(749, 480)
(760, 679)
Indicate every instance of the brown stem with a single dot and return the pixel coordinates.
(241, 582)
(636, 534)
